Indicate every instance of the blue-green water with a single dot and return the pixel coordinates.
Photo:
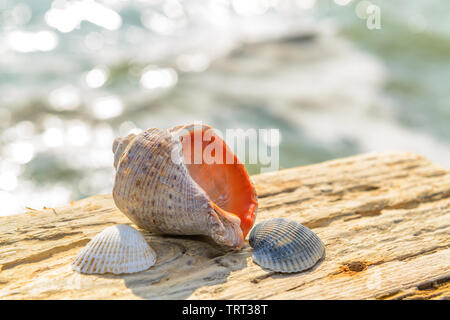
(75, 74)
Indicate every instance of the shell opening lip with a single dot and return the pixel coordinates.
(226, 182)
(228, 215)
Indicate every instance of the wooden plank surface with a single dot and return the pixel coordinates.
(384, 219)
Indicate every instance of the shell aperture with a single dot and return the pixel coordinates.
(284, 245)
(223, 177)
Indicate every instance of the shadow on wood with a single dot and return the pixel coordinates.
(184, 264)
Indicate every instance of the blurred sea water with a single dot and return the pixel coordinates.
(76, 74)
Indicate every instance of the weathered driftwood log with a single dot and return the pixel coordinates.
(384, 219)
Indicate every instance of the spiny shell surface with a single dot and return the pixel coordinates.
(285, 245)
(117, 249)
(154, 189)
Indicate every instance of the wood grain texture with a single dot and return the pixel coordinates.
(384, 219)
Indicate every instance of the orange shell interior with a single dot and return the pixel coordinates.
(217, 170)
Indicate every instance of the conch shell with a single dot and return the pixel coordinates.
(165, 183)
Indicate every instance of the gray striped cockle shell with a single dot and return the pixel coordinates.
(117, 249)
(284, 245)
(161, 190)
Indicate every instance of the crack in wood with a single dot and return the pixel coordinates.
(43, 254)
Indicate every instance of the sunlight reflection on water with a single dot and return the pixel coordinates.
(75, 74)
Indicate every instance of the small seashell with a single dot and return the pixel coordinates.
(285, 245)
(165, 185)
(117, 249)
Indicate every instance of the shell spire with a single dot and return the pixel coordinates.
(162, 187)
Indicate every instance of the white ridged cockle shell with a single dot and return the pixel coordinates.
(117, 249)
